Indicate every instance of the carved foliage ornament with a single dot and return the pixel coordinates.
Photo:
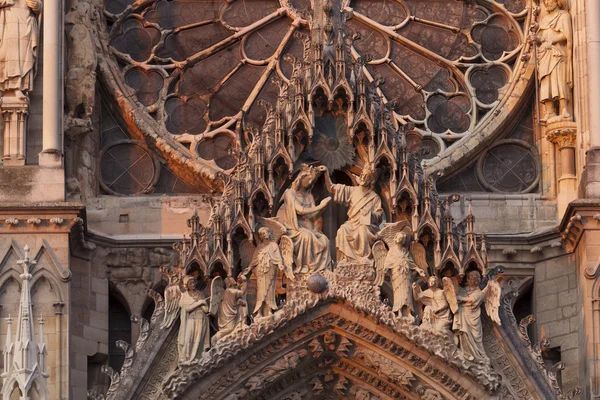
(198, 74)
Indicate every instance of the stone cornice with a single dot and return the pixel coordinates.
(581, 215)
(40, 217)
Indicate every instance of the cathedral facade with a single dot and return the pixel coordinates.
(294, 199)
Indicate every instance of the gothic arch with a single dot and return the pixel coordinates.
(335, 348)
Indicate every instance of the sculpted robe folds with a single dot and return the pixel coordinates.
(554, 61)
(267, 262)
(229, 314)
(437, 312)
(18, 43)
(194, 331)
(397, 261)
(467, 323)
(311, 248)
(356, 236)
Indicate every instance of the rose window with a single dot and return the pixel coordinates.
(206, 71)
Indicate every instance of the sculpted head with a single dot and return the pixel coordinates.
(473, 279)
(552, 5)
(229, 282)
(400, 239)
(189, 282)
(306, 178)
(265, 234)
(434, 282)
(367, 177)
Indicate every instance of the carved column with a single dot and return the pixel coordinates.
(592, 31)
(14, 112)
(51, 154)
(563, 135)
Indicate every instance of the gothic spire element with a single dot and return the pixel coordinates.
(24, 359)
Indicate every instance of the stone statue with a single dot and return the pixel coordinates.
(194, 330)
(362, 394)
(436, 315)
(303, 221)
(19, 30)
(232, 310)
(272, 372)
(81, 63)
(356, 236)
(399, 262)
(555, 61)
(466, 306)
(267, 260)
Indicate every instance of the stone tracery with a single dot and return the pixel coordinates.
(229, 71)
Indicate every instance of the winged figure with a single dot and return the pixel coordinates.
(231, 312)
(194, 329)
(172, 296)
(267, 259)
(399, 262)
(466, 306)
(436, 315)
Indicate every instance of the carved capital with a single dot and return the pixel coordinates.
(562, 133)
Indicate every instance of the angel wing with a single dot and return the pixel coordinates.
(389, 231)
(286, 246)
(247, 250)
(216, 295)
(419, 255)
(450, 294)
(379, 254)
(276, 227)
(492, 300)
(172, 297)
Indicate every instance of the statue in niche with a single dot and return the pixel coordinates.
(436, 314)
(356, 236)
(267, 260)
(303, 222)
(19, 30)
(81, 62)
(232, 310)
(399, 262)
(466, 306)
(194, 330)
(555, 61)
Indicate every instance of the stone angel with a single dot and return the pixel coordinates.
(172, 296)
(266, 260)
(466, 306)
(194, 329)
(436, 314)
(232, 308)
(399, 261)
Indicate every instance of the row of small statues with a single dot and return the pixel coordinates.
(298, 249)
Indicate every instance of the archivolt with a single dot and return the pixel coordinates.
(332, 350)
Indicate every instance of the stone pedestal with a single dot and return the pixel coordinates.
(14, 112)
(563, 135)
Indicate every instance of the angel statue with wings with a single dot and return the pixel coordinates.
(466, 306)
(267, 260)
(436, 314)
(399, 261)
(232, 310)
